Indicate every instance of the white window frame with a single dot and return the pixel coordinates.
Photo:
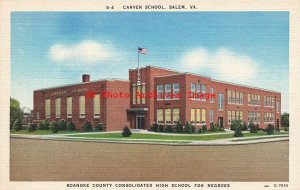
(168, 92)
(160, 91)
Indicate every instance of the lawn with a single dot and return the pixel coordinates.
(168, 137)
(41, 132)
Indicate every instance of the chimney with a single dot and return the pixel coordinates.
(85, 78)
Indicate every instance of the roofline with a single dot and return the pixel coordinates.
(152, 66)
(81, 83)
(247, 86)
(183, 73)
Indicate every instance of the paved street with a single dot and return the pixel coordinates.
(42, 160)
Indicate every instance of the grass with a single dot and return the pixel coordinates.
(168, 137)
(250, 139)
(41, 132)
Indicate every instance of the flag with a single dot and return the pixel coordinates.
(142, 50)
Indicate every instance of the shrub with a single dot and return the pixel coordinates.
(270, 129)
(212, 127)
(193, 129)
(257, 127)
(126, 132)
(252, 127)
(62, 125)
(238, 129)
(200, 130)
(204, 128)
(188, 128)
(41, 126)
(31, 127)
(54, 127)
(87, 127)
(154, 127)
(99, 127)
(46, 124)
(245, 127)
(179, 127)
(168, 129)
(17, 126)
(232, 126)
(160, 128)
(286, 129)
(70, 126)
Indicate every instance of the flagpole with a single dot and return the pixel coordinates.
(138, 69)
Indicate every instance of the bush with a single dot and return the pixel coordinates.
(70, 126)
(54, 127)
(31, 127)
(188, 128)
(212, 127)
(193, 129)
(179, 127)
(286, 129)
(270, 129)
(204, 128)
(252, 127)
(126, 132)
(17, 126)
(62, 125)
(154, 127)
(46, 124)
(160, 128)
(238, 129)
(41, 126)
(200, 130)
(168, 129)
(87, 127)
(99, 127)
(245, 127)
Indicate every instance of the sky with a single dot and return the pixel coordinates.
(55, 48)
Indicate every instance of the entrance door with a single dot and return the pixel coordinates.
(220, 121)
(140, 122)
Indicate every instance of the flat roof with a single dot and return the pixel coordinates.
(81, 83)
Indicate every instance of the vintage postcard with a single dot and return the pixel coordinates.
(149, 95)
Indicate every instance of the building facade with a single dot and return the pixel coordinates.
(158, 95)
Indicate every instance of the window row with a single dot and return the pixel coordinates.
(253, 99)
(269, 101)
(69, 107)
(254, 116)
(168, 115)
(138, 94)
(197, 90)
(269, 117)
(198, 116)
(234, 115)
(168, 91)
(235, 97)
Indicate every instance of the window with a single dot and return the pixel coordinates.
(47, 108)
(241, 116)
(160, 116)
(192, 115)
(168, 115)
(176, 117)
(198, 115)
(249, 98)
(221, 101)
(138, 92)
(160, 92)
(229, 96)
(229, 117)
(237, 98)
(203, 116)
(254, 99)
(57, 107)
(204, 91)
(143, 93)
(241, 98)
(198, 91)
(258, 98)
(277, 106)
(233, 97)
(69, 107)
(37, 115)
(133, 94)
(211, 116)
(97, 106)
(168, 93)
(193, 90)
(233, 116)
(81, 106)
(211, 93)
(176, 91)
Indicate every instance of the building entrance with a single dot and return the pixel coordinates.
(140, 122)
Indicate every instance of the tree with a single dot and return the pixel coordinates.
(285, 120)
(15, 112)
(238, 126)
